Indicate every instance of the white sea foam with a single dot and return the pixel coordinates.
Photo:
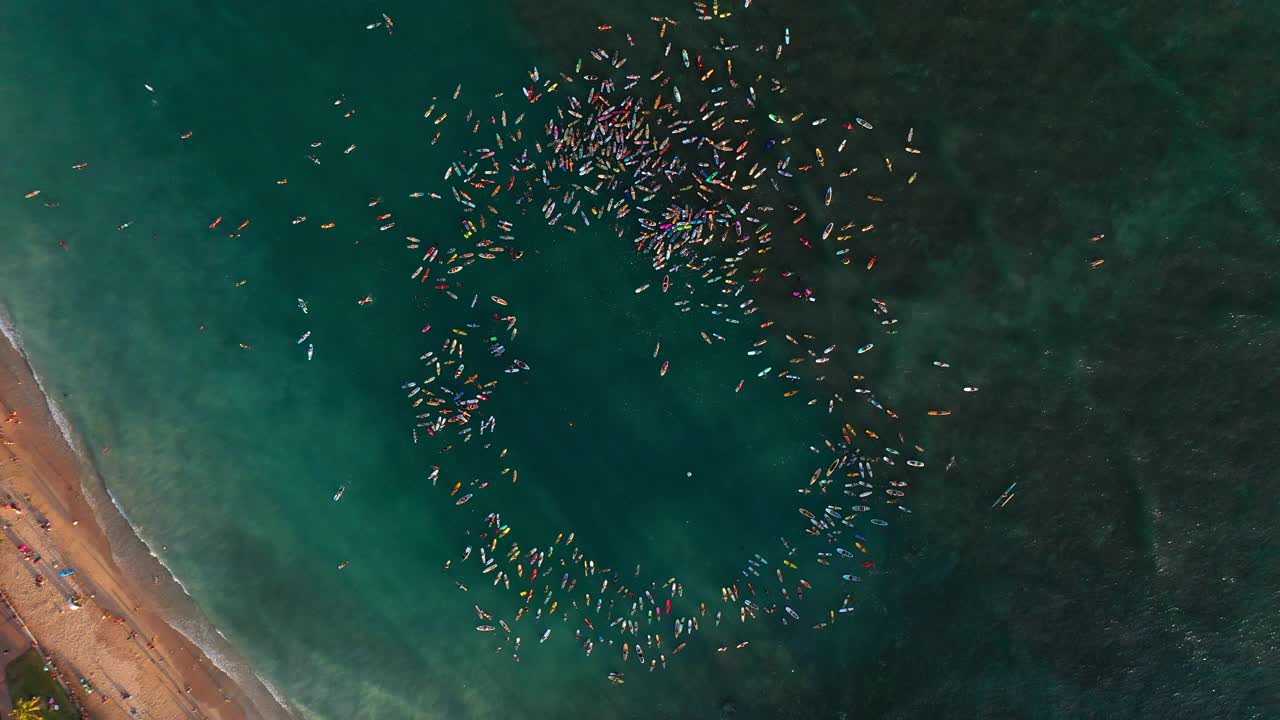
(191, 629)
(238, 671)
(279, 697)
(137, 531)
(196, 632)
(10, 332)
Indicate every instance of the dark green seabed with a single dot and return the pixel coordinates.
(1134, 574)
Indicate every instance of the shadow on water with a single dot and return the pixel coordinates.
(1131, 573)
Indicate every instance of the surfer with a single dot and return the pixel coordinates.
(713, 208)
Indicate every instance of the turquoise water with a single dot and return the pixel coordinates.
(1131, 575)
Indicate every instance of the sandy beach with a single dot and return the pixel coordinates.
(118, 639)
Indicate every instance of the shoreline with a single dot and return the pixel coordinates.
(122, 639)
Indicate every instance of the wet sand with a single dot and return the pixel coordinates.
(118, 640)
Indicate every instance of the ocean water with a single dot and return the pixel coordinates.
(1135, 573)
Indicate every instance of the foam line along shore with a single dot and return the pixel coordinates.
(95, 620)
